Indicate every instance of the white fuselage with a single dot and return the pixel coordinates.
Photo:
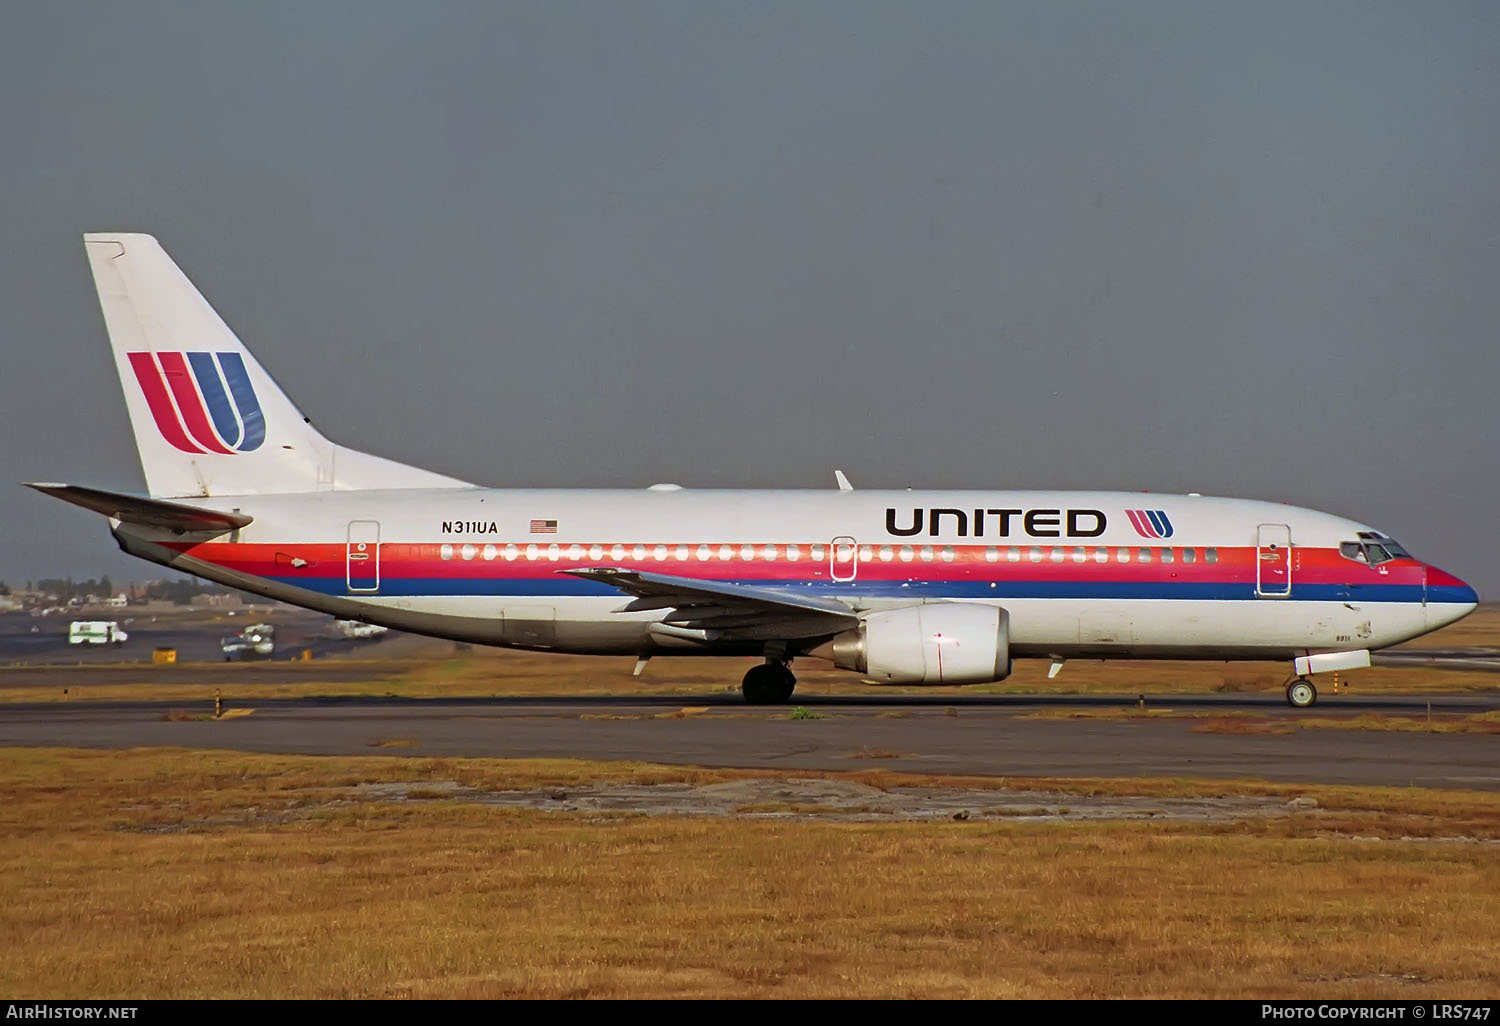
(1106, 574)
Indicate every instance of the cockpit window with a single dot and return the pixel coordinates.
(1373, 548)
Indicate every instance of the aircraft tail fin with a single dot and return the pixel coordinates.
(208, 419)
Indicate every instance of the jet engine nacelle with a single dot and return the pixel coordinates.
(940, 643)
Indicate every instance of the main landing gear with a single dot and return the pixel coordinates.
(770, 683)
(1300, 693)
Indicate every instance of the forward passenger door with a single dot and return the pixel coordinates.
(1273, 561)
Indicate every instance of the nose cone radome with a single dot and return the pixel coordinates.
(1448, 597)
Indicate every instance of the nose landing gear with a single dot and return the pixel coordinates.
(1300, 693)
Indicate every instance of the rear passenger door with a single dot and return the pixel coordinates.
(362, 556)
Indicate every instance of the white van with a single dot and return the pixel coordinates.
(96, 632)
(358, 629)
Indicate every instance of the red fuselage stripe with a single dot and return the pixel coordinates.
(969, 563)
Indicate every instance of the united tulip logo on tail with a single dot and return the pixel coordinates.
(202, 402)
(1150, 523)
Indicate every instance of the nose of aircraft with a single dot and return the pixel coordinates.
(1448, 597)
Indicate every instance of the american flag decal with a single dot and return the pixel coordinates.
(544, 527)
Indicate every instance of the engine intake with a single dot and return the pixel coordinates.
(940, 643)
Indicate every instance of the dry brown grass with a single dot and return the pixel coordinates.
(1242, 725)
(1106, 713)
(205, 874)
(1476, 723)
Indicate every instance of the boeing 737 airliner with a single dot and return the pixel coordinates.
(903, 587)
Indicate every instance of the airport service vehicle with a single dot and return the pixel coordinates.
(96, 632)
(902, 587)
(357, 630)
(257, 641)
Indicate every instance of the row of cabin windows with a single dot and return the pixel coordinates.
(843, 553)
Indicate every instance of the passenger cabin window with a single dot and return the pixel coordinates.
(1210, 555)
(1189, 555)
(1166, 555)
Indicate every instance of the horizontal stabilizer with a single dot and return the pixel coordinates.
(134, 509)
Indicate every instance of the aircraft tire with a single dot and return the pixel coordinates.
(768, 684)
(1300, 694)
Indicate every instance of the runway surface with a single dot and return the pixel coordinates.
(1013, 735)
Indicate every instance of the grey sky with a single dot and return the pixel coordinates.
(1244, 249)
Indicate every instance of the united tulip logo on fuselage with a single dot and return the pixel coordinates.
(202, 402)
(1150, 523)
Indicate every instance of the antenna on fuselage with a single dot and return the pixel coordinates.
(844, 485)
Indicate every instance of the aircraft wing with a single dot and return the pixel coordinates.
(733, 610)
(136, 509)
